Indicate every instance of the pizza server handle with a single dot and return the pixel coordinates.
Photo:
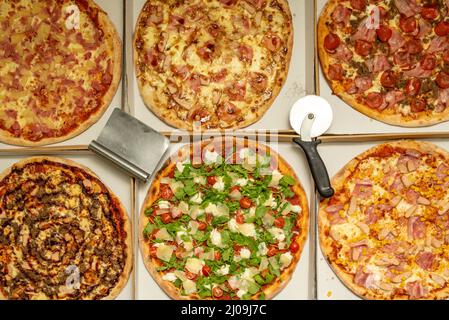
(316, 164)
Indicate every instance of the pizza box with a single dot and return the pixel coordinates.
(346, 119)
(300, 287)
(115, 11)
(336, 155)
(300, 80)
(118, 182)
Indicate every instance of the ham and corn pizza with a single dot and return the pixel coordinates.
(60, 65)
(385, 231)
(224, 220)
(63, 233)
(212, 64)
(388, 59)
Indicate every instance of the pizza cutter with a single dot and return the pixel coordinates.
(310, 117)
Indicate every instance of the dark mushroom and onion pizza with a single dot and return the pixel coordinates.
(223, 220)
(63, 233)
(388, 59)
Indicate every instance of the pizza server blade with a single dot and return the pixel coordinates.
(310, 117)
(131, 145)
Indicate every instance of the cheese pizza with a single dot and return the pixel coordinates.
(224, 219)
(212, 64)
(388, 59)
(60, 66)
(63, 233)
(385, 231)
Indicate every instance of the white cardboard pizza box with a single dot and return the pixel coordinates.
(300, 286)
(118, 182)
(336, 156)
(349, 121)
(115, 11)
(300, 80)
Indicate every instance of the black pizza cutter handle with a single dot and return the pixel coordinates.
(317, 167)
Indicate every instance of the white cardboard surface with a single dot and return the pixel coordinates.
(118, 182)
(336, 156)
(298, 288)
(349, 121)
(300, 80)
(114, 9)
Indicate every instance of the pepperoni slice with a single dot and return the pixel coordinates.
(384, 33)
(408, 25)
(388, 79)
(363, 48)
(331, 42)
(336, 72)
(428, 62)
(374, 100)
(413, 86)
(358, 4)
(442, 28)
(429, 13)
(414, 46)
(443, 80)
(418, 105)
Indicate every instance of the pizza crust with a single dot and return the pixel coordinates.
(424, 120)
(124, 277)
(184, 152)
(338, 182)
(150, 96)
(112, 35)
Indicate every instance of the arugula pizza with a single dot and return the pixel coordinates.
(212, 64)
(223, 219)
(60, 66)
(388, 59)
(63, 233)
(385, 231)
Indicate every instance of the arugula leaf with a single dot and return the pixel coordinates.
(201, 236)
(227, 254)
(149, 211)
(268, 278)
(177, 283)
(190, 188)
(220, 220)
(262, 296)
(149, 228)
(180, 194)
(287, 181)
(253, 288)
(259, 279)
(261, 211)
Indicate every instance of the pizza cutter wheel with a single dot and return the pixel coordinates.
(310, 117)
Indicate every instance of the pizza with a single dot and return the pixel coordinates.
(60, 66)
(223, 219)
(388, 59)
(212, 64)
(63, 233)
(385, 231)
